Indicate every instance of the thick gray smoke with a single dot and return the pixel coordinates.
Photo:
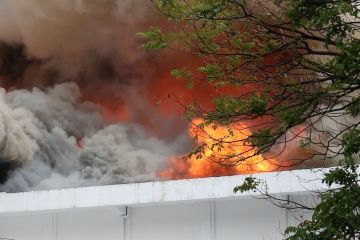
(60, 55)
(41, 130)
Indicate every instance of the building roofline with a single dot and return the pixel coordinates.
(214, 188)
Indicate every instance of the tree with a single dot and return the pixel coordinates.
(337, 215)
(299, 63)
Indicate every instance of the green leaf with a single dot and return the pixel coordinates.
(250, 184)
(181, 73)
(154, 39)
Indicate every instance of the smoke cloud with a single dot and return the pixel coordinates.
(74, 36)
(62, 142)
(75, 107)
(78, 103)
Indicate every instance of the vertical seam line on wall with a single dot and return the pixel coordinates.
(54, 228)
(212, 220)
(126, 224)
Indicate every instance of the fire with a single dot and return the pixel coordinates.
(224, 151)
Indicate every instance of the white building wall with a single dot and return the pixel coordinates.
(249, 219)
(239, 219)
(103, 224)
(196, 209)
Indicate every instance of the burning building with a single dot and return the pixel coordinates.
(82, 106)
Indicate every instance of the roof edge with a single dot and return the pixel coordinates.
(201, 189)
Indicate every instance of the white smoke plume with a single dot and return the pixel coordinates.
(17, 133)
(41, 129)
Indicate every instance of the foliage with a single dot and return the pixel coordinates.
(299, 62)
(250, 184)
(337, 216)
(302, 57)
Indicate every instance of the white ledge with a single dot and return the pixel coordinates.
(287, 182)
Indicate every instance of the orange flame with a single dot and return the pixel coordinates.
(224, 151)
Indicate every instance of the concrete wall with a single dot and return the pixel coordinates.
(207, 220)
(194, 209)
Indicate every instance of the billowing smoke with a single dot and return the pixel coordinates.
(62, 142)
(75, 38)
(82, 104)
(77, 106)
(92, 43)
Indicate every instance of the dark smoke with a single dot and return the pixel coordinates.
(75, 109)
